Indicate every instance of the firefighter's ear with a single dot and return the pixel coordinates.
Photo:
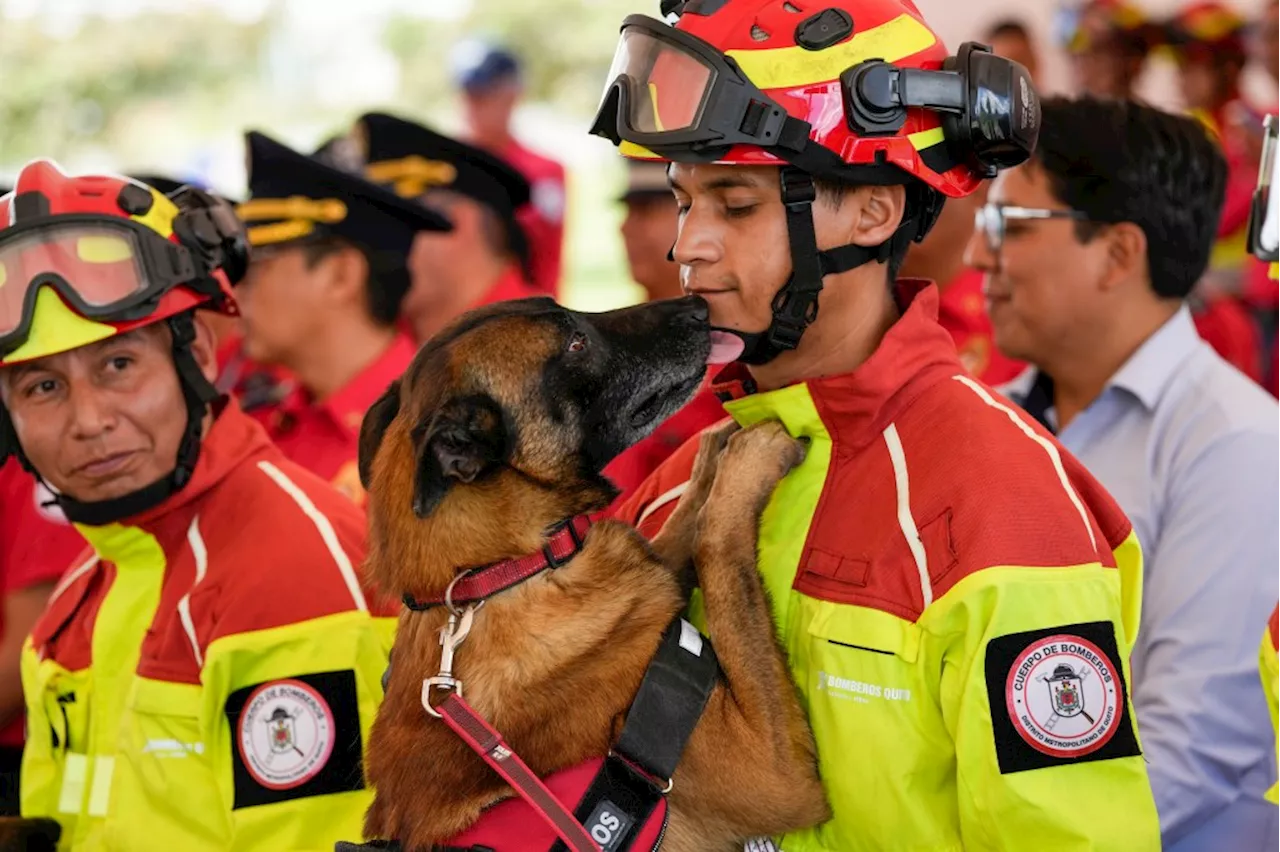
(374, 426)
(463, 440)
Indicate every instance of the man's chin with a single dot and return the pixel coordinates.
(114, 489)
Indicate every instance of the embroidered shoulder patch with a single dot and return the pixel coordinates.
(1057, 696)
(295, 737)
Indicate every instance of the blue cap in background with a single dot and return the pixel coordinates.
(478, 65)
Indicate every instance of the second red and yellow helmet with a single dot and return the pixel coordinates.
(862, 91)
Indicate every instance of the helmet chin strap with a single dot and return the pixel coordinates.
(197, 392)
(795, 306)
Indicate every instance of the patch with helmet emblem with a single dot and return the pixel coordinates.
(1057, 696)
(295, 737)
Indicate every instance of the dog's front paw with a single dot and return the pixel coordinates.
(753, 463)
(711, 445)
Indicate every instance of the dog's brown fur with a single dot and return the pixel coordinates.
(555, 662)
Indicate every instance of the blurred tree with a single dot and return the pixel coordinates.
(566, 47)
(61, 92)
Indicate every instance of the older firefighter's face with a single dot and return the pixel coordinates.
(104, 420)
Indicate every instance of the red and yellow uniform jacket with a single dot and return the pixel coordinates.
(1270, 670)
(958, 599)
(324, 437)
(207, 680)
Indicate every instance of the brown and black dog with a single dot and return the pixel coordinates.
(497, 432)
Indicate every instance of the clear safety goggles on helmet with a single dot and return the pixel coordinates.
(670, 89)
(105, 267)
(991, 220)
(1264, 213)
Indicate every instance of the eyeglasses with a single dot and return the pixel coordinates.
(990, 219)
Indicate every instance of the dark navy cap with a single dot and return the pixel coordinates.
(296, 197)
(292, 196)
(477, 65)
(411, 159)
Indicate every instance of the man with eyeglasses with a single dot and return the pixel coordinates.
(1090, 251)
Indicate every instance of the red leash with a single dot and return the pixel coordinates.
(488, 743)
(472, 588)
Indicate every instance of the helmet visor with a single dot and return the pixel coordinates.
(677, 95)
(105, 269)
(667, 86)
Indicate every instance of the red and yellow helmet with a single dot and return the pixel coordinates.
(856, 90)
(1208, 30)
(85, 258)
(1096, 25)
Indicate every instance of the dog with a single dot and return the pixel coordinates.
(496, 433)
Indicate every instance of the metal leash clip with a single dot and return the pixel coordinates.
(452, 635)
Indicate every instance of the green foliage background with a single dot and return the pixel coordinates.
(143, 92)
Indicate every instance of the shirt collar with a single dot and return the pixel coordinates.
(346, 407)
(858, 405)
(1145, 376)
(1152, 367)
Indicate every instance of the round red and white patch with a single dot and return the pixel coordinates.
(1063, 696)
(285, 734)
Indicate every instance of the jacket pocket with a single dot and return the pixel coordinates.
(55, 767)
(165, 771)
(886, 760)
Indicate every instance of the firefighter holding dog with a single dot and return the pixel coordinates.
(956, 595)
(206, 679)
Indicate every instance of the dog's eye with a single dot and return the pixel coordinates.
(577, 343)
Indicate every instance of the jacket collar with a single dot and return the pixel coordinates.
(347, 407)
(856, 407)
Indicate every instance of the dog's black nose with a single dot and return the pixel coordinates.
(691, 310)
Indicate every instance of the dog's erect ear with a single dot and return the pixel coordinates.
(465, 439)
(374, 426)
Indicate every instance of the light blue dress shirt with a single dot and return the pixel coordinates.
(1190, 449)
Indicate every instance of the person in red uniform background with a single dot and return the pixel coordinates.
(962, 308)
(648, 232)
(489, 78)
(321, 298)
(37, 546)
(1108, 42)
(476, 263)
(1208, 42)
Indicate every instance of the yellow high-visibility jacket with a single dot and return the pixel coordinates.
(207, 680)
(957, 598)
(1269, 668)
